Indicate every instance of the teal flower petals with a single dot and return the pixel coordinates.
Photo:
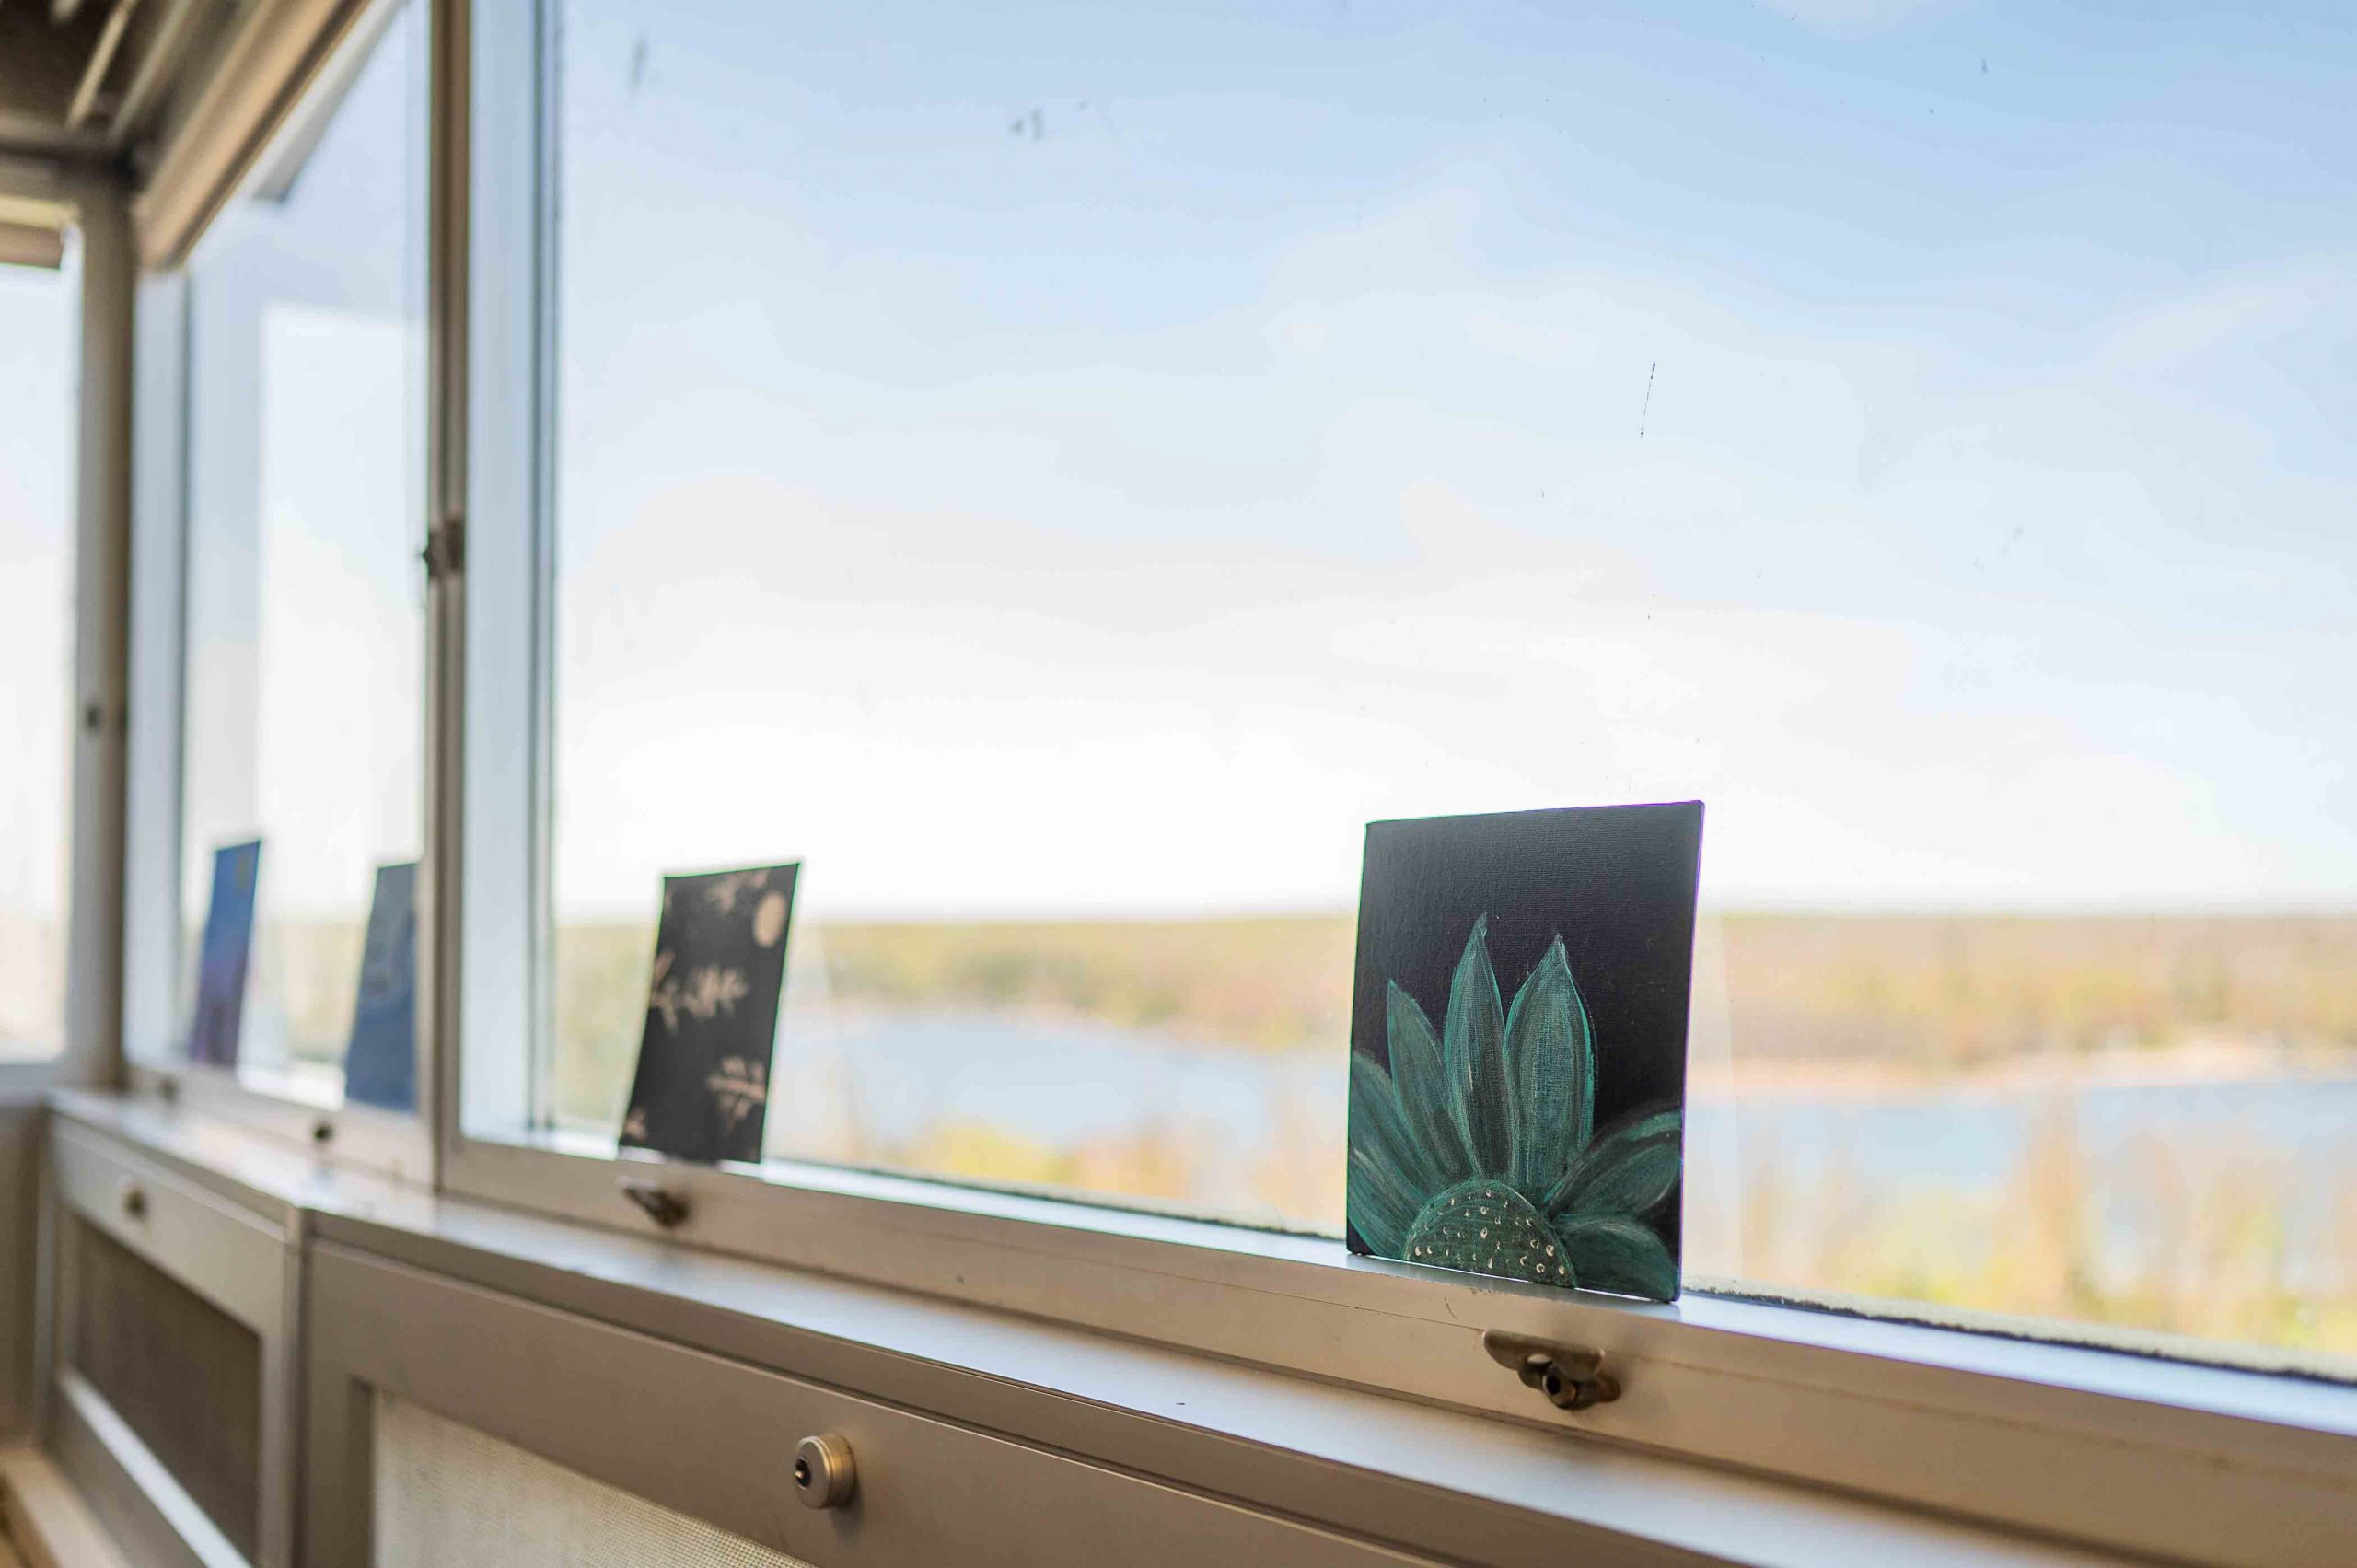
(1617, 1253)
(1421, 1078)
(1473, 1046)
(1626, 1170)
(1381, 1207)
(1382, 1133)
(1478, 1149)
(1550, 1072)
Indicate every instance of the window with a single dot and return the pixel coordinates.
(1062, 479)
(304, 631)
(36, 310)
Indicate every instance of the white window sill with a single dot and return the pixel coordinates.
(298, 1103)
(2119, 1452)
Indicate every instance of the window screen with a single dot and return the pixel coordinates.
(182, 1374)
(446, 1494)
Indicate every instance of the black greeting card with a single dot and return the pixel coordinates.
(1519, 1044)
(701, 1090)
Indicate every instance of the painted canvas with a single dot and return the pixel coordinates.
(380, 1060)
(1519, 1044)
(702, 1088)
(222, 956)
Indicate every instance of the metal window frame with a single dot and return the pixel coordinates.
(96, 202)
(2172, 1459)
(293, 55)
(264, 71)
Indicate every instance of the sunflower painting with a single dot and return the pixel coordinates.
(1536, 1132)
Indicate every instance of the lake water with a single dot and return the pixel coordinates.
(1062, 1084)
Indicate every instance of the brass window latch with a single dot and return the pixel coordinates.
(445, 548)
(666, 1208)
(1571, 1377)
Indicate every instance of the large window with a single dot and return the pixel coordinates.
(304, 473)
(1061, 474)
(36, 328)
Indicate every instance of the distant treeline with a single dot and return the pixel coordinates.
(1272, 982)
(1975, 987)
(1928, 989)
(1923, 989)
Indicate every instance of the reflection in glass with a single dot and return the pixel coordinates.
(1062, 480)
(37, 449)
(305, 628)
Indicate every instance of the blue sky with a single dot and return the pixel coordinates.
(1067, 458)
(1116, 508)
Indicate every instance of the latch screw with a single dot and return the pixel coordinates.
(1572, 1377)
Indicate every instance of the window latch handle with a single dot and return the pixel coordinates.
(656, 1202)
(1572, 1377)
(445, 548)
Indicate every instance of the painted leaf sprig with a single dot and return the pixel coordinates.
(1479, 1148)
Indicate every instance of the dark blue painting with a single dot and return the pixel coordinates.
(223, 955)
(1519, 1044)
(380, 1063)
(702, 1088)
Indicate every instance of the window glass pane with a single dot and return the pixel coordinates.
(37, 309)
(306, 464)
(1063, 472)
